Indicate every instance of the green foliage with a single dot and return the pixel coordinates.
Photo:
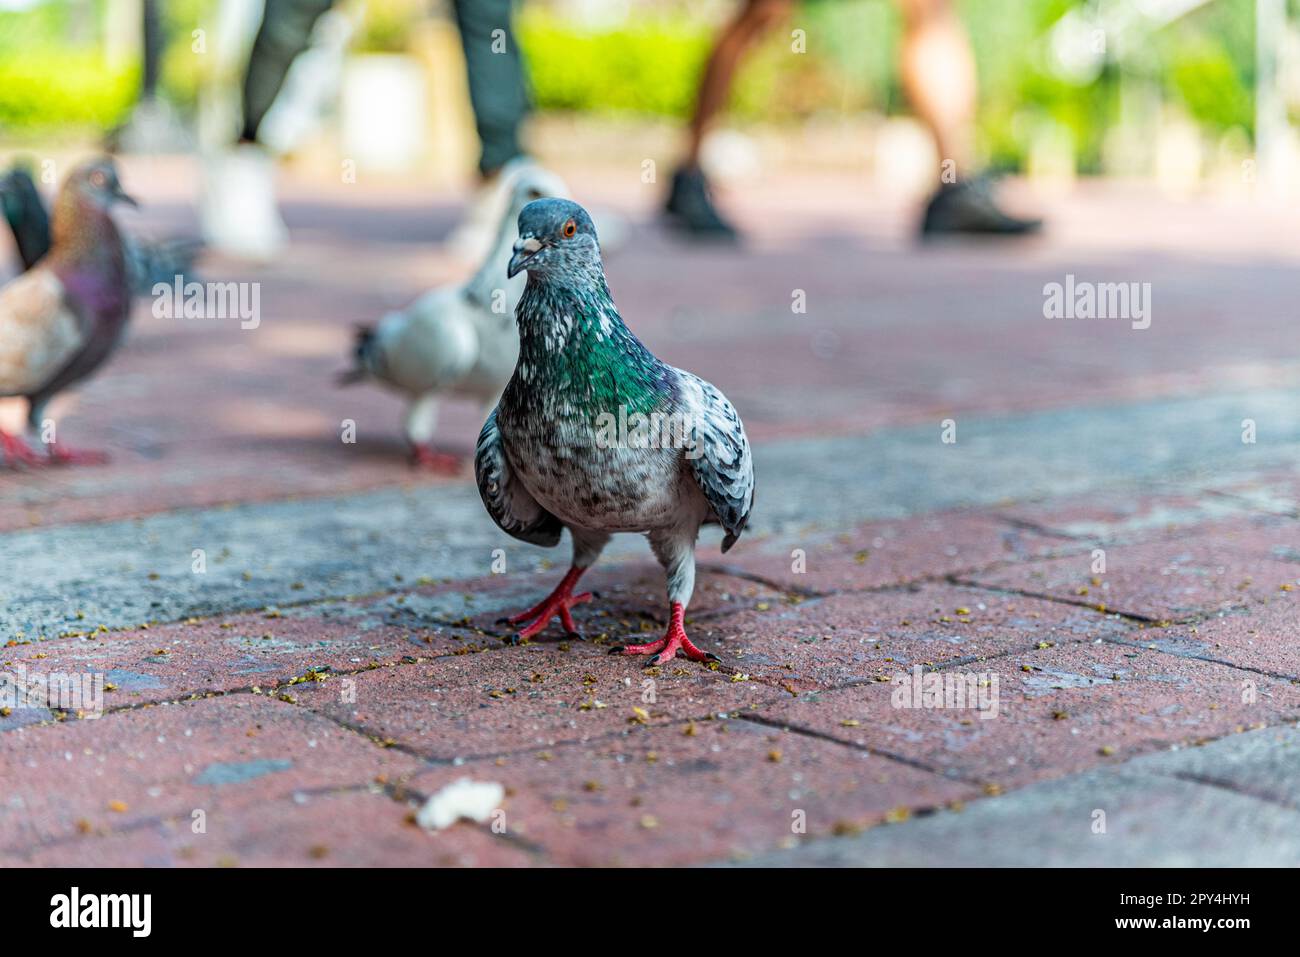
(1205, 61)
(52, 73)
(44, 88)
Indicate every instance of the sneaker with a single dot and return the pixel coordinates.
(240, 215)
(969, 207)
(690, 208)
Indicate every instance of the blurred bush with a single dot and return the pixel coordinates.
(53, 73)
(1204, 63)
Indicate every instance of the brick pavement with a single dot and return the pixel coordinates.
(338, 659)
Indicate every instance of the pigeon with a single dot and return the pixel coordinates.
(453, 340)
(551, 455)
(148, 261)
(60, 320)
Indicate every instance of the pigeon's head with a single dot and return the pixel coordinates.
(97, 181)
(555, 236)
(532, 182)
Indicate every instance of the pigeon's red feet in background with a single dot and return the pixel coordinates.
(62, 455)
(666, 648)
(558, 602)
(443, 463)
(18, 452)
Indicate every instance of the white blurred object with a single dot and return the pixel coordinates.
(730, 157)
(312, 84)
(384, 114)
(1051, 158)
(464, 798)
(239, 212)
(1078, 47)
(472, 238)
(905, 157)
(1178, 156)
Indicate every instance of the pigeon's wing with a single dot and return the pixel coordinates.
(506, 499)
(719, 456)
(40, 333)
(427, 347)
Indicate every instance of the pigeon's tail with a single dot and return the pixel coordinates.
(25, 212)
(363, 356)
(162, 261)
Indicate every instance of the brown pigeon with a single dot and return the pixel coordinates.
(60, 320)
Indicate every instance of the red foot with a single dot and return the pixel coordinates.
(18, 452)
(666, 648)
(62, 455)
(443, 463)
(558, 602)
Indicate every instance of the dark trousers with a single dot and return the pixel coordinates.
(498, 89)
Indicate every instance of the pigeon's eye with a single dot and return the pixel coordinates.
(99, 178)
(569, 229)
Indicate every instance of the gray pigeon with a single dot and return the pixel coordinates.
(595, 434)
(455, 341)
(60, 320)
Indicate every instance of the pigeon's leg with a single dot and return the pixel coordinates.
(58, 454)
(18, 452)
(676, 552)
(443, 463)
(421, 420)
(587, 547)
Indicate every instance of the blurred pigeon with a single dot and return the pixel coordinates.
(454, 340)
(551, 456)
(148, 261)
(61, 318)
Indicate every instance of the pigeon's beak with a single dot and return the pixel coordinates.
(122, 196)
(525, 249)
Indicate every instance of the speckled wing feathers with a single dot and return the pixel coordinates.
(720, 459)
(511, 506)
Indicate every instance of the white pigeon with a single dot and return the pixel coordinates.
(454, 341)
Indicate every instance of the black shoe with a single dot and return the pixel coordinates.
(690, 207)
(969, 207)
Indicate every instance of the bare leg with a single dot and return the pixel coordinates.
(690, 203)
(755, 18)
(938, 76)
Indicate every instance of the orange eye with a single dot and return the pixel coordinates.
(569, 229)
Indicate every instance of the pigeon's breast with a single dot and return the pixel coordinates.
(593, 484)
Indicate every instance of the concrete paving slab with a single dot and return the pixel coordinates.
(1150, 812)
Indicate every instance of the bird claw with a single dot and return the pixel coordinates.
(440, 463)
(558, 604)
(62, 455)
(674, 640)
